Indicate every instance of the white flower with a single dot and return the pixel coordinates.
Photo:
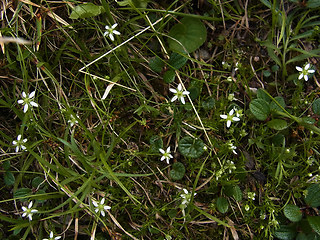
(27, 212)
(178, 94)
(100, 207)
(72, 120)
(110, 31)
(28, 101)
(252, 195)
(232, 147)
(19, 143)
(51, 237)
(166, 154)
(230, 117)
(305, 71)
(186, 197)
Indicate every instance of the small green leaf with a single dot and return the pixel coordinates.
(261, 94)
(36, 182)
(234, 191)
(285, 232)
(308, 120)
(266, 73)
(314, 222)
(316, 106)
(178, 171)
(313, 195)
(169, 76)
(22, 193)
(222, 205)
(190, 33)
(277, 124)
(313, 3)
(275, 107)
(6, 165)
(260, 109)
(172, 213)
(9, 178)
(292, 212)
(156, 64)
(177, 60)
(191, 147)
(208, 104)
(86, 10)
(155, 144)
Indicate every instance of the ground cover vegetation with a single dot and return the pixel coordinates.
(140, 119)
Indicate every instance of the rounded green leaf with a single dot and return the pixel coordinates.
(208, 104)
(234, 191)
(9, 178)
(188, 35)
(156, 64)
(22, 193)
(178, 171)
(169, 76)
(275, 107)
(191, 147)
(261, 94)
(292, 212)
(313, 195)
(177, 60)
(86, 10)
(277, 124)
(222, 205)
(314, 222)
(285, 232)
(316, 106)
(259, 108)
(155, 144)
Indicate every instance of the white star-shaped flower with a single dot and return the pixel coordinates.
(110, 31)
(27, 212)
(166, 155)
(52, 237)
(73, 120)
(100, 207)
(186, 197)
(19, 143)
(28, 101)
(305, 71)
(232, 147)
(230, 117)
(178, 93)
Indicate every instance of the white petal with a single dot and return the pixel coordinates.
(179, 87)
(185, 191)
(103, 214)
(106, 207)
(111, 37)
(107, 27)
(34, 210)
(24, 140)
(95, 203)
(306, 78)
(105, 33)
(20, 101)
(114, 25)
(14, 142)
(162, 151)
(224, 116)
(185, 92)
(228, 123)
(17, 148)
(311, 71)
(19, 137)
(34, 104)
(168, 161)
(102, 201)
(25, 109)
(24, 214)
(24, 95)
(30, 205)
(236, 119)
(162, 158)
(116, 32)
(24, 209)
(51, 234)
(182, 100)
(30, 217)
(96, 210)
(300, 76)
(168, 149)
(172, 90)
(57, 238)
(174, 98)
(31, 95)
(231, 112)
(170, 156)
(299, 68)
(307, 66)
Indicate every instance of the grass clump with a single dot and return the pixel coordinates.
(160, 120)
